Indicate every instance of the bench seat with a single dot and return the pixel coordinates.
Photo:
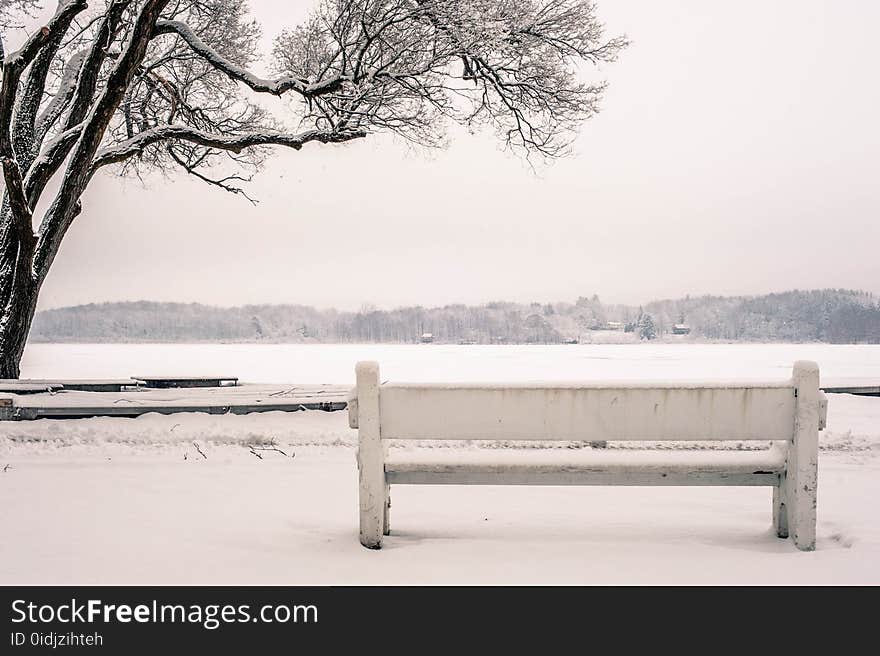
(584, 467)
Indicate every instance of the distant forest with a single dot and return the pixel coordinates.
(829, 315)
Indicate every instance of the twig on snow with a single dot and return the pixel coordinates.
(283, 392)
(271, 448)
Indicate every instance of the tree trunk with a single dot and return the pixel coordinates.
(18, 300)
(15, 324)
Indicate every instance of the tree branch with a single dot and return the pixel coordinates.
(13, 67)
(233, 143)
(31, 95)
(223, 183)
(88, 79)
(276, 87)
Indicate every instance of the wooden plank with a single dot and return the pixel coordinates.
(858, 390)
(618, 460)
(587, 413)
(594, 385)
(561, 467)
(695, 478)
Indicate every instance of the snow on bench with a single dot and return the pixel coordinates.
(788, 413)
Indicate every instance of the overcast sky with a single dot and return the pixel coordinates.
(737, 152)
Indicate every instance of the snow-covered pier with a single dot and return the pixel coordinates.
(72, 401)
(37, 385)
(133, 402)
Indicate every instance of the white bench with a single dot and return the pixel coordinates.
(789, 413)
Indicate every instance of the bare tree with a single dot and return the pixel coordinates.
(162, 84)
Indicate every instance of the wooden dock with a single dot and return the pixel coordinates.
(858, 390)
(24, 387)
(134, 402)
(15, 386)
(177, 382)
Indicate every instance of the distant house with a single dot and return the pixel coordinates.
(570, 340)
(427, 338)
(681, 329)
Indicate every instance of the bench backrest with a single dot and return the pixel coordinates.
(587, 411)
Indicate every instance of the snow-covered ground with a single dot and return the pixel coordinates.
(110, 500)
(195, 498)
(115, 513)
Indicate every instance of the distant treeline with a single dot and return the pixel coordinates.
(829, 315)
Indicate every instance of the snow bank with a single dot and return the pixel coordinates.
(303, 428)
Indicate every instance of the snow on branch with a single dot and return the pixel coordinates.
(62, 97)
(67, 9)
(233, 143)
(48, 161)
(275, 87)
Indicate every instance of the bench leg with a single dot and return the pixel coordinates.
(780, 510)
(386, 522)
(371, 509)
(371, 461)
(801, 475)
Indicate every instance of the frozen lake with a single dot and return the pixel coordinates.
(334, 363)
